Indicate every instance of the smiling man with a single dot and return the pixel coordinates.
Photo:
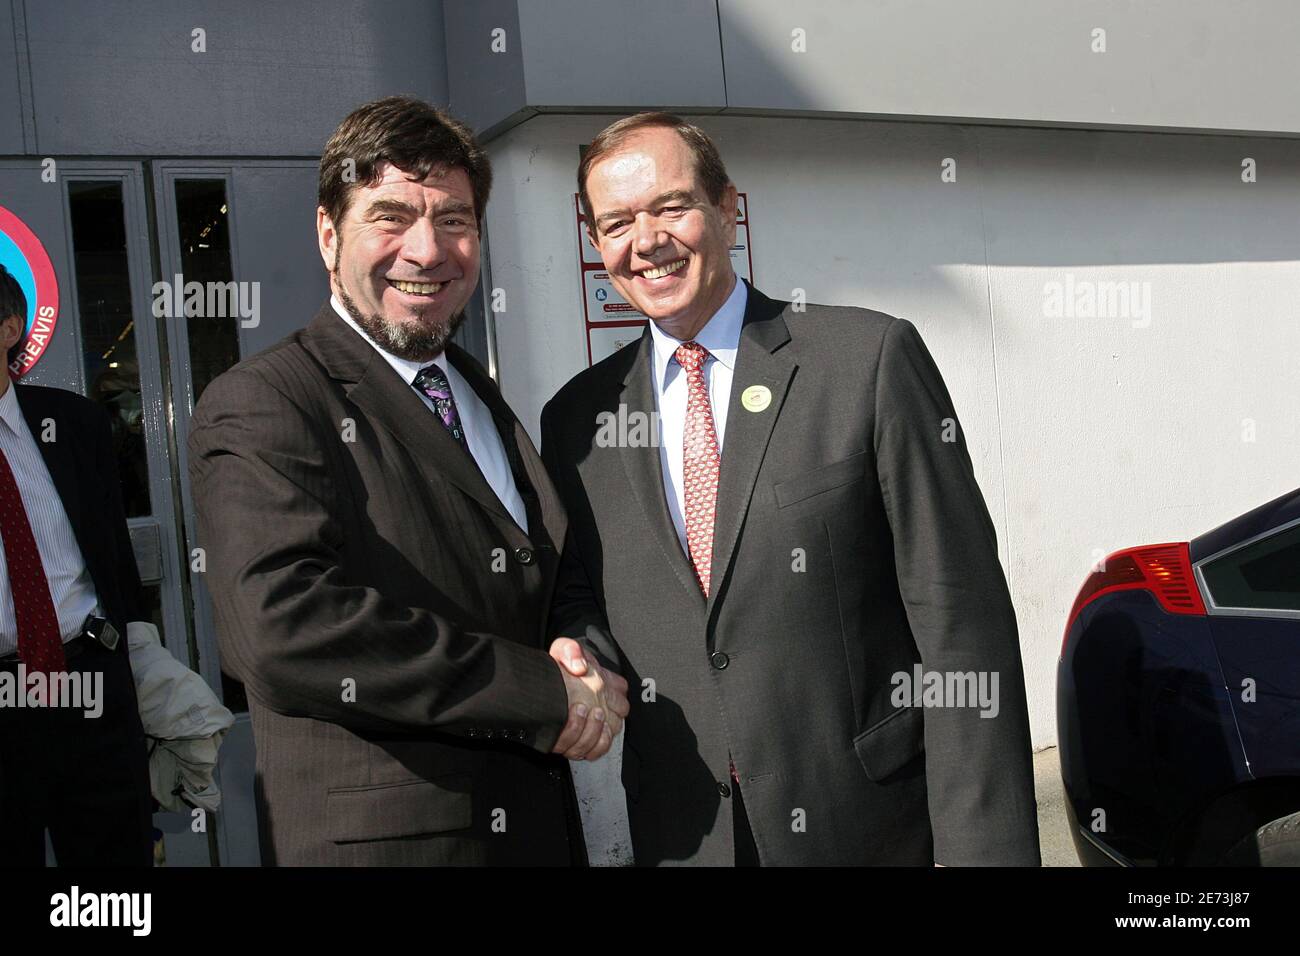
(806, 530)
(382, 540)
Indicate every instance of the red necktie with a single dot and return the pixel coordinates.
(40, 644)
(701, 462)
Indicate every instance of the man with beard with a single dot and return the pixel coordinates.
(382, 541)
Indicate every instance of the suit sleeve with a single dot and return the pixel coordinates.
(978, 769)
(114, 513)
(305, 641)
(575, 612)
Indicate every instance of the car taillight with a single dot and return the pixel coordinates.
(1163, 569)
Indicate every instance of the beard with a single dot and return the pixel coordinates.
(415, 342)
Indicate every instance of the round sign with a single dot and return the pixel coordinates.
(24, 256)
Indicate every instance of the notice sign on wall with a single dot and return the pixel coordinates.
(610, 319)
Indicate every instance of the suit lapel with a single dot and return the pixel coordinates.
(57, 454)
(390, 403)
(759, 361)
(525, 464)
(644, 467)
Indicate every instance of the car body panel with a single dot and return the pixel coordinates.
(1167, 722)
(1147, 731)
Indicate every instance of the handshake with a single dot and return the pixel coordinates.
(597, 703)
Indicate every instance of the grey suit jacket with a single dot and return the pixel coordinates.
(384, 610)
(851, 543)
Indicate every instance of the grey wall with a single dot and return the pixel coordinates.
(579, 54)
(119, 77)
(485, 88)
(583, 53)
(1195, 65)
(11, 44)
(1181, 64)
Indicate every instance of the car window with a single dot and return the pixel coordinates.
(1265, 574)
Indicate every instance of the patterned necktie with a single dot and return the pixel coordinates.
(40, 645)
(432, 381)
(701, 462)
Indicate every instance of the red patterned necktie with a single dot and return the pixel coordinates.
(40, 645)
(701, 462)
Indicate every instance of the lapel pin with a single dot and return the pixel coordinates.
(756, 398)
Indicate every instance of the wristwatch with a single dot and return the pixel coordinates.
(101, 630)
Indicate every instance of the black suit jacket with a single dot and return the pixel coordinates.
(851, 542)
(384, 610)
(81, 462)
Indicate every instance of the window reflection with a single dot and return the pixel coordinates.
(203, 223)
(103, 281)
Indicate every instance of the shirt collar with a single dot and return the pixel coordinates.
(10, 413)
(406, 368)
(720, 335)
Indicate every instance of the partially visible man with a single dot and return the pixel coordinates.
(806, 539)
(382, 540)
(69, 586)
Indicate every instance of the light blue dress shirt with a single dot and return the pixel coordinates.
(721, 337)
(475, 417)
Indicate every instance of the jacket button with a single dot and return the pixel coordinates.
(724, 790)
(719, 660)
(489, 733)
(472, 732)
(524, 555)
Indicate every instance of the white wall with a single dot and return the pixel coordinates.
(1087, 434)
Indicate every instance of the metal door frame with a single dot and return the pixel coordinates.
(156, 408)
(150, 353)
(165, 174)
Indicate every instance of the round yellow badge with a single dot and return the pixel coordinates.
(756, 398)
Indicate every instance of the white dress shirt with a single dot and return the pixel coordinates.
(71, 589)
(475, 418)
(721, 337)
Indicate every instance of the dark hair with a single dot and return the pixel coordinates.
(12, 302)
(709, 170)
(412, 135)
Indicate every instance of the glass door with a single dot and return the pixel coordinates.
(93, 222)
(246, 232)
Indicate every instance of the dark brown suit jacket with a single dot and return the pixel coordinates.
(384, 610)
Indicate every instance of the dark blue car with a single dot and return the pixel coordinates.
(1178, 699)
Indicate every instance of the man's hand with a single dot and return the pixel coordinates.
(597, 703)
